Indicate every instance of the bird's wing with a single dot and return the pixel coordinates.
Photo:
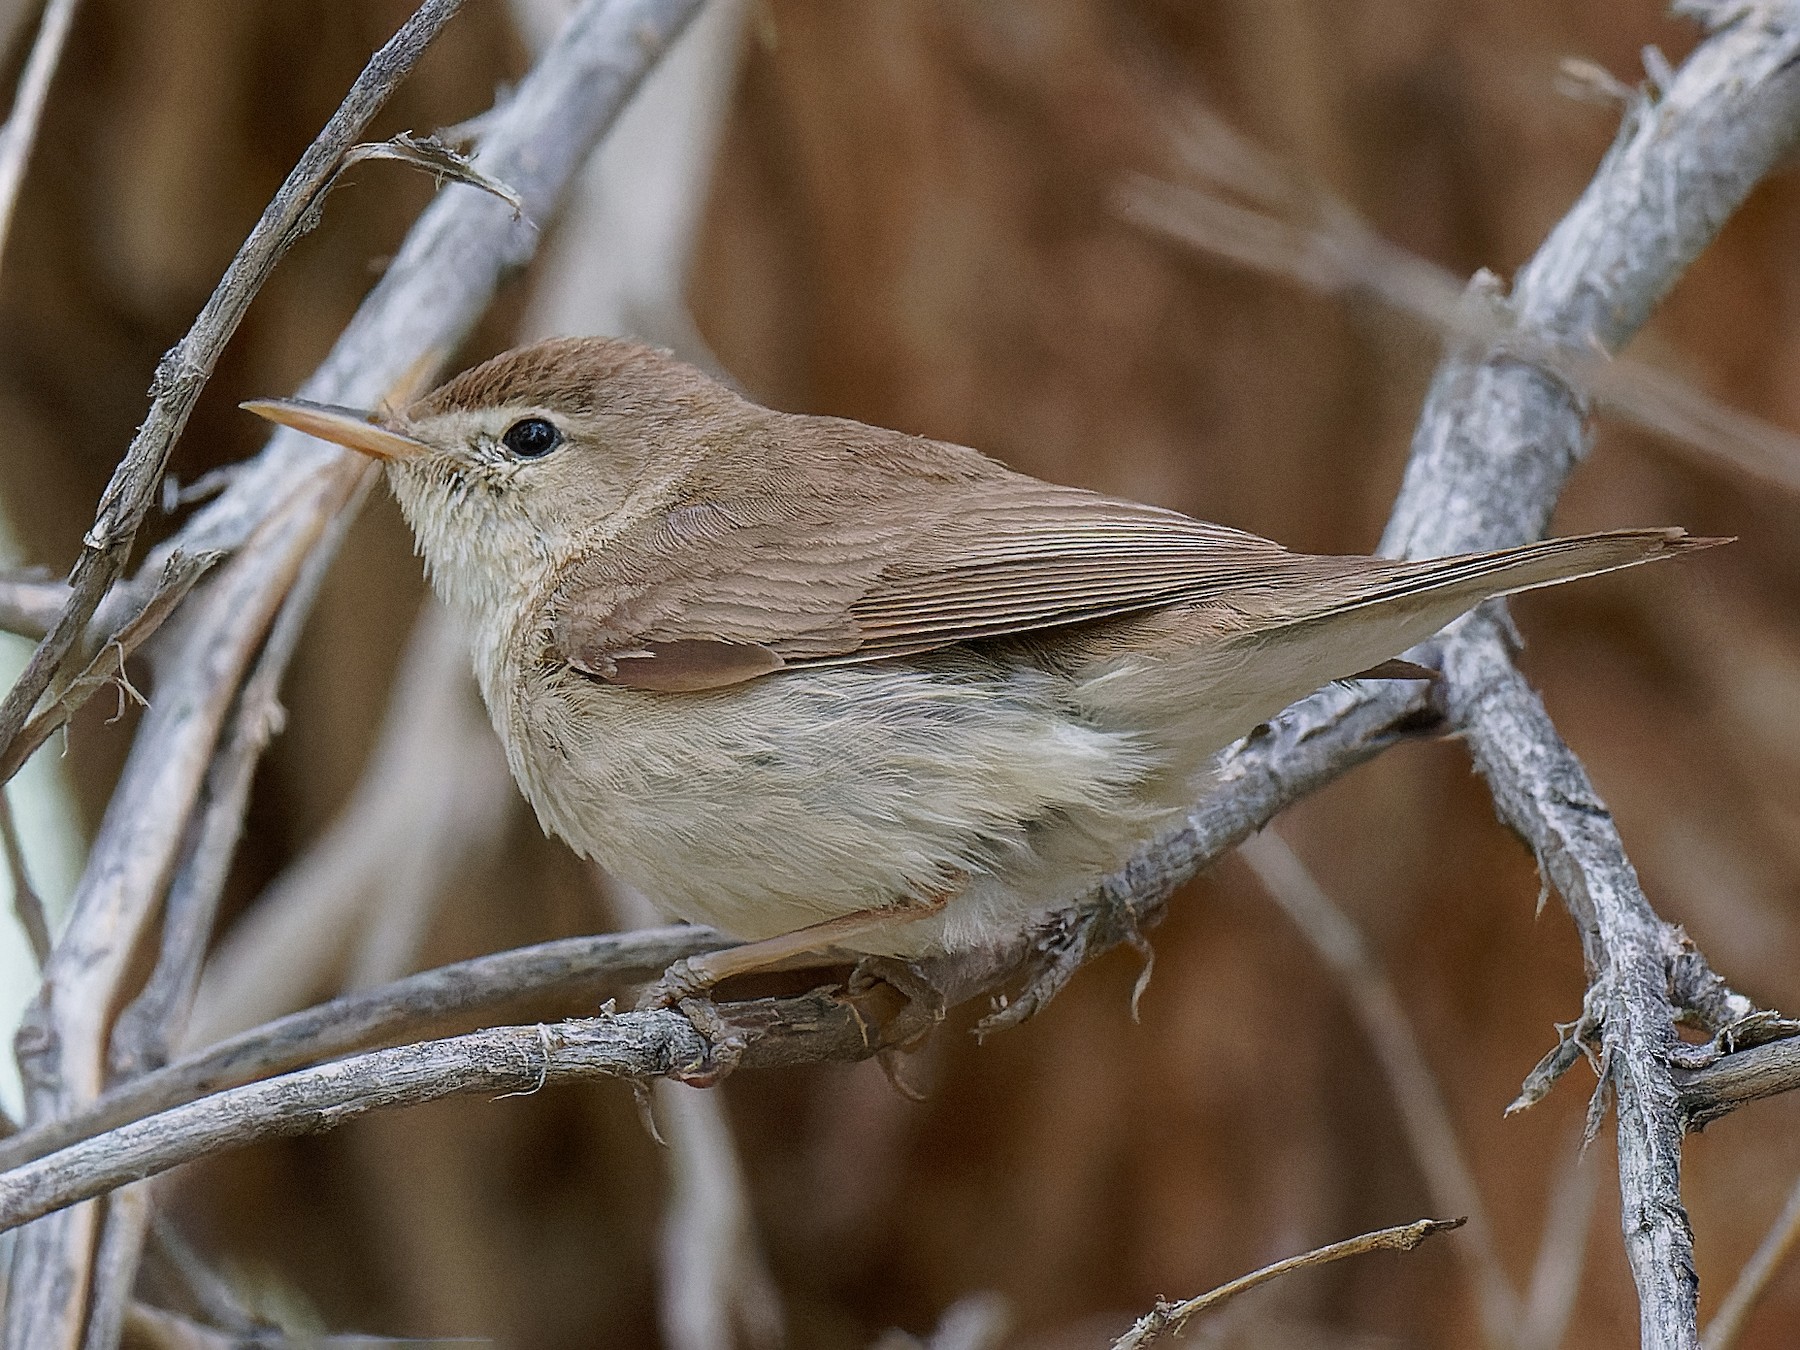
(890, 558)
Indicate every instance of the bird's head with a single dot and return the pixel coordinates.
(517, 466)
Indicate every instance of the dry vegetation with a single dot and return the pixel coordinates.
(912, 217)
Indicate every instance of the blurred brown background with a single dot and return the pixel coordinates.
(908, 223)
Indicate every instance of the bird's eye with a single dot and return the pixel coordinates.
(532, 437)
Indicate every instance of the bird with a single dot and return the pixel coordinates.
(829, 687)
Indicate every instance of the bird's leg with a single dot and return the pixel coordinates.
(693, 976)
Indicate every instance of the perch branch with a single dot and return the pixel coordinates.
(406, 1008)
(501, 1060)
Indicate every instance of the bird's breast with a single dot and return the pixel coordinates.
(784, 800)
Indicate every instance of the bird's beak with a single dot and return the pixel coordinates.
(343, 426)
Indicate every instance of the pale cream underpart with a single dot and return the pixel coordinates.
(776, 803)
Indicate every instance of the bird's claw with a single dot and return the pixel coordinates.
(722, 1046)
(684, 987)
(684, 980)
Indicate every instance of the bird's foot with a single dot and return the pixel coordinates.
(722, 1045)
(690, 978)
(684, 987)
(1064, 941)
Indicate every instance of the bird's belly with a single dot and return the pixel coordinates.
(784, 801)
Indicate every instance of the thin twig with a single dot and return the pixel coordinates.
(20, 131)
(107, 668)
(1297, 230)
(1423, 1114)
(1169, 1319)
(1777, 1245)
(184, 370)
(435, 158)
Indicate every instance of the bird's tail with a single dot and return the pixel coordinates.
(1343, 617)
(1371, 613)
(1449, 586)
